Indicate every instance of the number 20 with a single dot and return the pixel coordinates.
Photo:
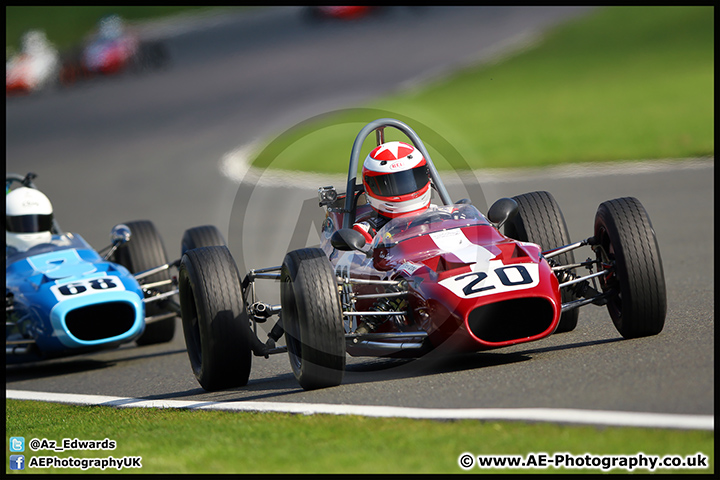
(472, 288)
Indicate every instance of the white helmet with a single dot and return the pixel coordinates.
(396, 179)
(28, 218)
(34, 42)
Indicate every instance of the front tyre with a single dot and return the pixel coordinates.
(626, 240)
(539, 220)
(153, 55)
(312, 318)
(215, 323)
(144, 251)
(204, 236)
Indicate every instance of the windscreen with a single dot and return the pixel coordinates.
(58, 242)
(432, 220)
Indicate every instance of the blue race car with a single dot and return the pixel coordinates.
(65, 298)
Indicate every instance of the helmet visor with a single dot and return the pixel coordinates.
(28, 223)
(398, 183)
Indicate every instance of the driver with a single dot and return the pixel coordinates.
(397, 183)
(111, 27)
(28, 219)
(35, 43)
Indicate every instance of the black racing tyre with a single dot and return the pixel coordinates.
(312, 318)
(145, 250)
(215, 322)
(150, 55)
(539, 220)
(67, 75)
(313, 14)
(204, 236)
(70, 74)
(157, 55)
(626, 239)
(70, 68)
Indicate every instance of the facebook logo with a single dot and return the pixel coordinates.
(17, 444)
(17, 462)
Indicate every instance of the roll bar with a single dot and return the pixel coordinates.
(378, 126)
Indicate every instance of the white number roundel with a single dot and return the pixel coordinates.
(87, 286)
(497, 278)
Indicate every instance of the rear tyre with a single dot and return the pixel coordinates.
(205, 236)
(626, 239)
(70, 68)
(540, 220)
(153, 55)
(144, 251)
(215, 323)
(312, 318)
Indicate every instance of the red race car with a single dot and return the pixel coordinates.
(321, 12)
(34, 68)
(430, 277)
(112, 49)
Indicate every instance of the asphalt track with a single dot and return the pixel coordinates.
(156, 146)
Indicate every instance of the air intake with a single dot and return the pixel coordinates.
(99, 321)
(511, 319)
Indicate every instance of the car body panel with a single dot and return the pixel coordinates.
(108, 56)
(67, 298)
(26, 73)
(469, 287)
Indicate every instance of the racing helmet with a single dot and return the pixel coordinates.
(34, 42)
(111, 27)
(396, 179)
(28, 218)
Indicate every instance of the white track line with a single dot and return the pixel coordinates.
(236, 165)
(556, 415)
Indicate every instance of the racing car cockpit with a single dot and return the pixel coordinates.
(58, 242)
(442, 218)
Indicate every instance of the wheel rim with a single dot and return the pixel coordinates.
(292, 338)
(197, 345)
(606, 257)
(194, 346)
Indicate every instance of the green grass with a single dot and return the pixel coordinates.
(623, 83)
(67, 26)
(185, 441)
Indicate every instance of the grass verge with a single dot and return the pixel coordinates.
(622, 83)
(185, 441)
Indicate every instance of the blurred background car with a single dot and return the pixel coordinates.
(112, 48)
(34, 67)
(346, 12)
